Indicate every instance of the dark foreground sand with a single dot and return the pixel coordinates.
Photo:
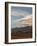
(21, 33)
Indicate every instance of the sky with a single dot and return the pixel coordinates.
(18, 13)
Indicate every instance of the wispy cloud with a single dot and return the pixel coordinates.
(26, 20)
(17, 13)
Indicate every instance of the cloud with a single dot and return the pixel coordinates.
(19, 13)
(26, 20)
(22, 21)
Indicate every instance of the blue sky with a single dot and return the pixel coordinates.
(18, 13)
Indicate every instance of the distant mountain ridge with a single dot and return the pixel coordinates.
(22, 29)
